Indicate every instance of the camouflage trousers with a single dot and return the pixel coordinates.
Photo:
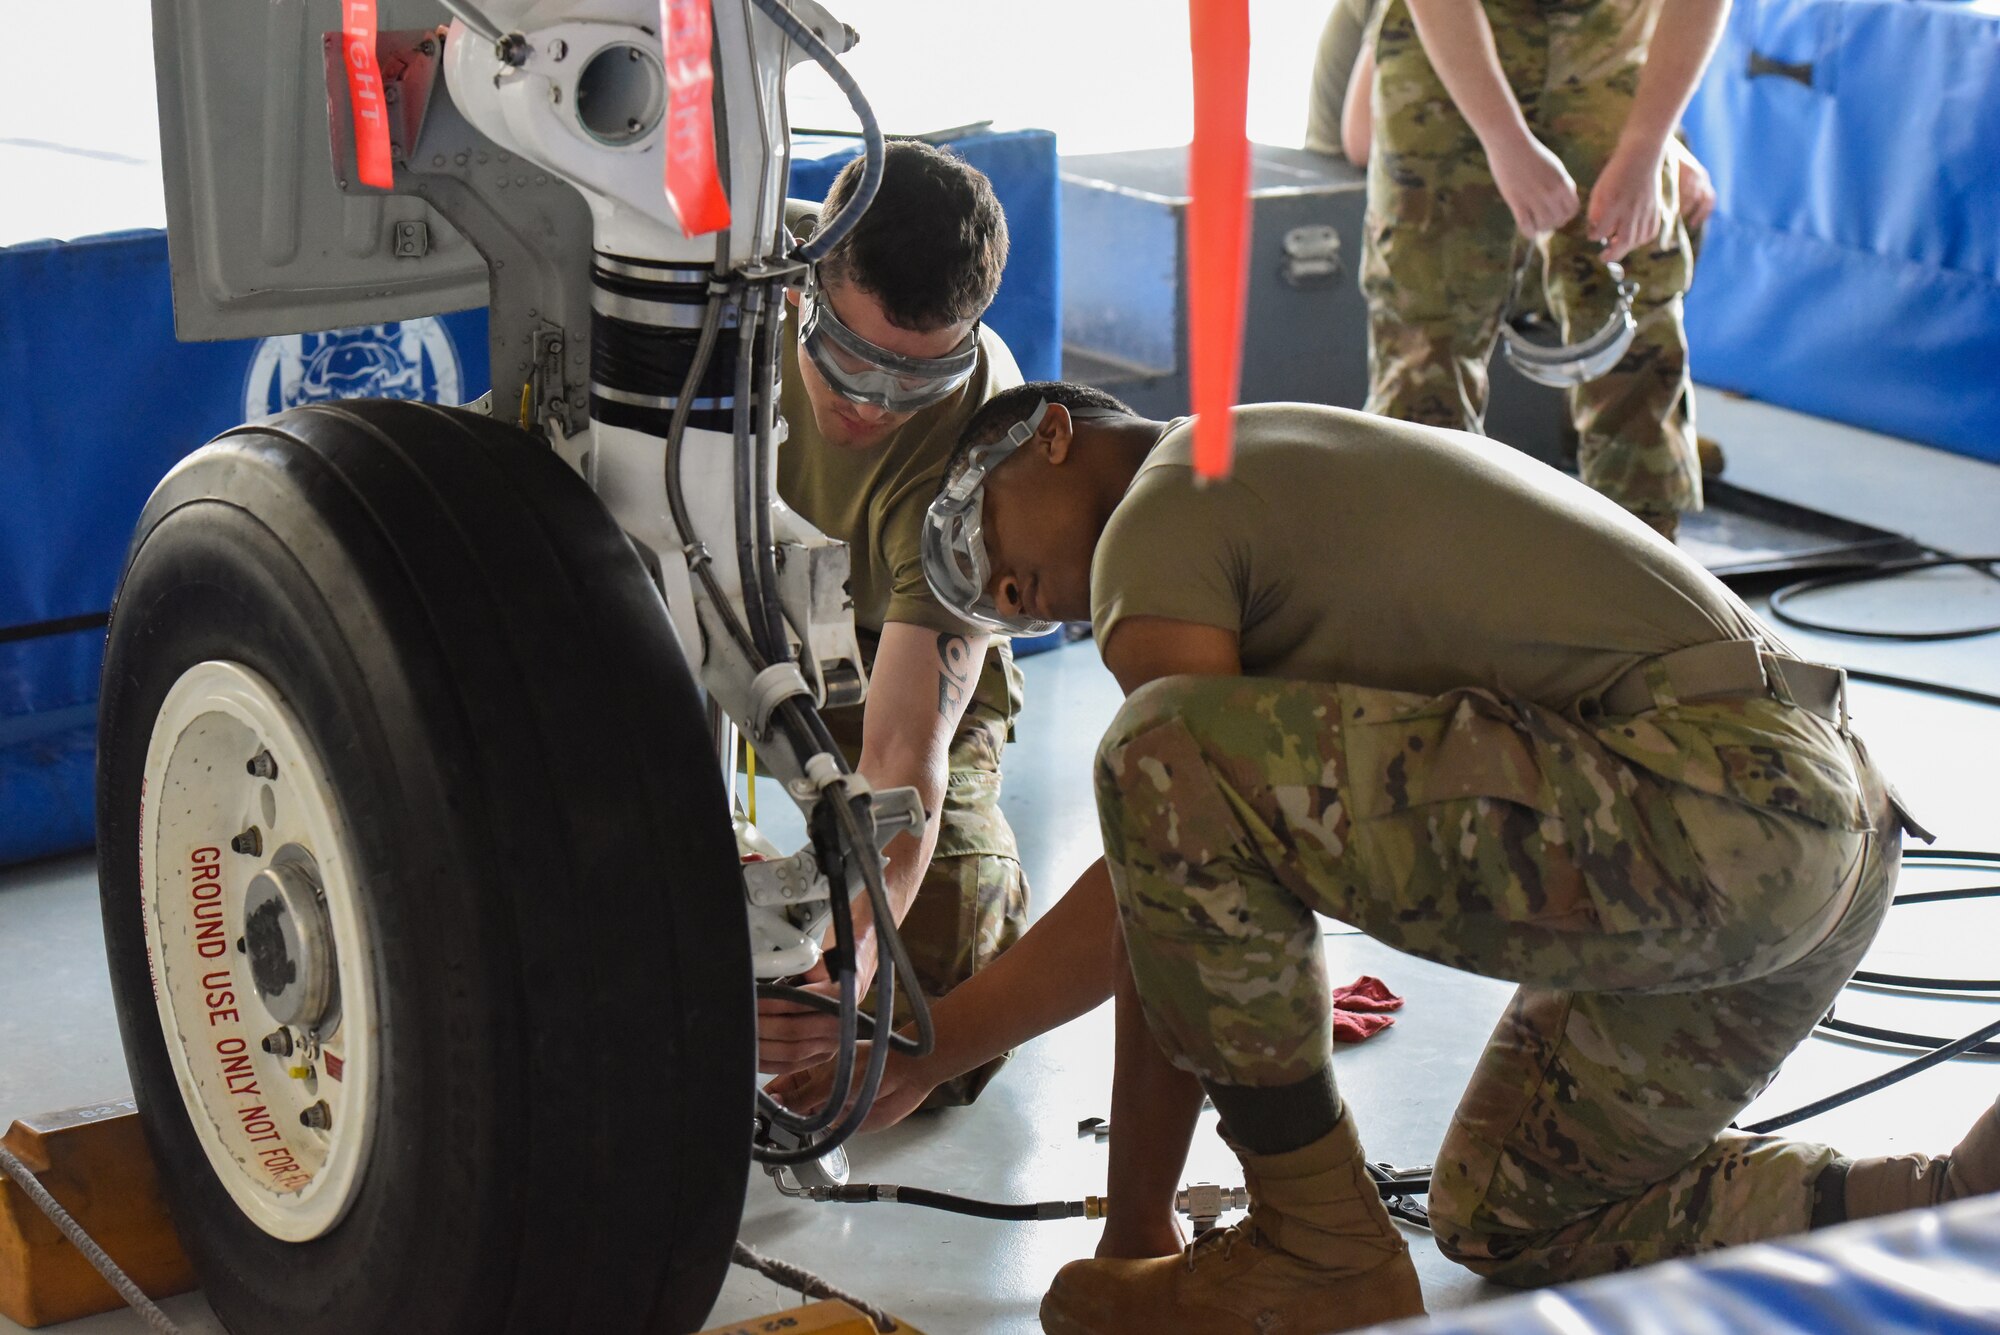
(973, 902)
(1680, 895)
(1442, 257)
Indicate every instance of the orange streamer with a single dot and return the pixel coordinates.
(364, 93)
(694, 188)
(1218, 223)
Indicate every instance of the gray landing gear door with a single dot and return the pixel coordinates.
(261, 237)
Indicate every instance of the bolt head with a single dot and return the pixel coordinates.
(250, 842)
(319, 1117)
(279, 1044)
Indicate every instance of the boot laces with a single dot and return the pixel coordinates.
(1223, 1240)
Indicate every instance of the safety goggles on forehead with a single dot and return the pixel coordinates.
(866, 373)
(954, 545)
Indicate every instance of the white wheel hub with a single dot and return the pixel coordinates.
(259, 950)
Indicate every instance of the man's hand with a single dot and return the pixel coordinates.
(1696, 190)
(791, 1037)
(905, 1085)
(921, 682)
(1626, 208)
(1533, 181)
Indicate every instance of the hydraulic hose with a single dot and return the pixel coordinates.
(476, 22)
(848, 1008)
(889, 954)
(870, 1193)
(835, 229)
(764, 634)
(765, 353)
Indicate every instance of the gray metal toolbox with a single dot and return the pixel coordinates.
(1306, 331)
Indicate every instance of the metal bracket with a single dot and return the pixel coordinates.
(896, 811)
(412, 239)
(533, 229)
(780, 882)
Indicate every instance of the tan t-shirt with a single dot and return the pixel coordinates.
(874, 500)
(1350, 548)
(1349, 30)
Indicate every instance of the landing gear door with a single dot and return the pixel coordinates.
(261, 238)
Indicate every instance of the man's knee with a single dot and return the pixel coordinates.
(1465, 1221)
(1156, 703)
(1157, 796)
(1471, 1236)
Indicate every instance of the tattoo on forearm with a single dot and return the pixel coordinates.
(954, 673)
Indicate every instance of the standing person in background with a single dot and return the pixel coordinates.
(1343, 72)
(1340, 122)
(1340, 118)
(1485, 118)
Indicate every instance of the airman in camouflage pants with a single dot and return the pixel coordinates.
(1680, 894)
(1441, 250)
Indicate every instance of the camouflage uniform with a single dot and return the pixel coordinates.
(1441, 252)
(1680, 893)
(973, 901)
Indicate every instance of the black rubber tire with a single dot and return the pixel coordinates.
(563, 962)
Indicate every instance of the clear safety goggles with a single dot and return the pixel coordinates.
(1566, 365)
(954, 547)
(865, 373)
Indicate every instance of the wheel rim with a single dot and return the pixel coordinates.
(259, 950)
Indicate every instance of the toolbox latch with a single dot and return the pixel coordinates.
(1312, 256)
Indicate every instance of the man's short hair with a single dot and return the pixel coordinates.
(1009, 406)
(931, 246)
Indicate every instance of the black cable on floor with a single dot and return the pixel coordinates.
(1880, 1082)
(1886, 570)
(1965, 693)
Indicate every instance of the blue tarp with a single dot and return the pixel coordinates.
(101, 401)
(1927, 1272)
(1852, 268)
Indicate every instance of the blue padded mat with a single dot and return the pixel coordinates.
(102, 401)
(1852, 268)
(1929, 1272)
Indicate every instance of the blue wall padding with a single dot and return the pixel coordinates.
(1927, 1272)
(101, 401)
(1022, 166)
(1852, 268)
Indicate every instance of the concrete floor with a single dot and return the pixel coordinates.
(59, 1044)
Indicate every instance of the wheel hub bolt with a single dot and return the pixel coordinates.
(279, 1044)
(262, 765)
(250, 842)
(319, 1117)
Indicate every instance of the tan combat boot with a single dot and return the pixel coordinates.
(1906, 1181)
(1317, 1254)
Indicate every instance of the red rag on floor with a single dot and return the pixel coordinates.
(1358, 1007)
